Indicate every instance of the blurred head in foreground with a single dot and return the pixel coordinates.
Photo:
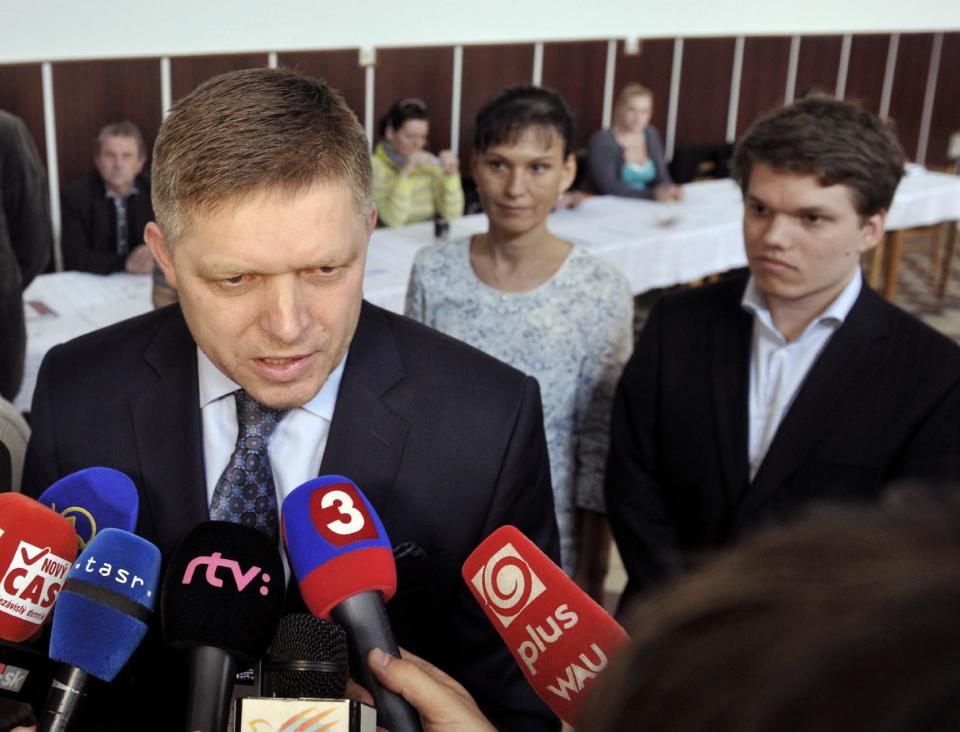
(844, 620)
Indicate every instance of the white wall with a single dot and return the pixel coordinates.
(48, 30)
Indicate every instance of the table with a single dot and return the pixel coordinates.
(923, 198)
(653, 244)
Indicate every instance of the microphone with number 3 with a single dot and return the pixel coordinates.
(344, 564)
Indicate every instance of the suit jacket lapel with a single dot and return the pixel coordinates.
(730, 371)
(166, 418)
(367, 437)
(843, 368)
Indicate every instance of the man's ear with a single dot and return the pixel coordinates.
(872, 231)
(372, 220)
(155, 239)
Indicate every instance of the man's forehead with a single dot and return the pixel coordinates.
(800, 184)
(120, 141)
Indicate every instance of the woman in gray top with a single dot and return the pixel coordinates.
(540, 303)
(627, 159)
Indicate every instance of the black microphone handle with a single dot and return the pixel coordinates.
(210, 676)
(68, 692)
(364, 617)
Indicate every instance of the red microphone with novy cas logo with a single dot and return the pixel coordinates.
(37, 548)
(559, 636)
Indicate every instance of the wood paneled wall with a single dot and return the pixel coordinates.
(88, 94)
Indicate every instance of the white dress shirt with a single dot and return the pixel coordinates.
(778, 368)
(296, 446)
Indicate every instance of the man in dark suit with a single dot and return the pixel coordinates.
(747, 399)
(263, 199)
(25, 241)
(104, 212)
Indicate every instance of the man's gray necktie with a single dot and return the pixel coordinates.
(245, 493)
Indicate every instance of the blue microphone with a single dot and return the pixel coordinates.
(101, 618)
(344, 565)
(94, 499)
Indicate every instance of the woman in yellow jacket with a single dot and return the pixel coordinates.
(411, 184)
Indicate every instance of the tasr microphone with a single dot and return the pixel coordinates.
(101, 618)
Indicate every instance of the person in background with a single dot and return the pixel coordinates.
(540, 303)
(747, 399)
(105, 212)
(25, 241)
(410, 184)
(627, 159)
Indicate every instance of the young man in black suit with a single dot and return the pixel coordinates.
(747, 399)
(262, 190)
(104, 212)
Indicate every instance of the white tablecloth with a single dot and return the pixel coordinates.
(654, 244)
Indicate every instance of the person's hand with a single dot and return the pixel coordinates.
(444, 705)
(140, 260)
(421, 157)
(449, 162)
(668, 192)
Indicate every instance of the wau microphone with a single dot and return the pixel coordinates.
(37, 547)
(344, 564)
(94, 499)
(101, 618)
(223, 595)
(559, 636)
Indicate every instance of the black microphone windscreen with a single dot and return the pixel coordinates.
(308, 659)
(224, 588)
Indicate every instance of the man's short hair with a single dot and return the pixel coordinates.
(119, 129)
(836, 141)
(254, 131)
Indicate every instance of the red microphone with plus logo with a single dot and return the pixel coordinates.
(559, 636)
(222, 599)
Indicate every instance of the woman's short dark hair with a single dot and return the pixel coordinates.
(401, 111)
(513, 110)
(836, 141)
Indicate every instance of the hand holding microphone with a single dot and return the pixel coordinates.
(444, 705)
(343, 561)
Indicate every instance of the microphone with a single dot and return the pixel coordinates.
(560, 637)
(307, 659)
(101, 618)
(93, 499)
(37, 548)
(222, 598)
(305, 673)
(344, 564)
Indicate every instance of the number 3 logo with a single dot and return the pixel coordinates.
(350, 521)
